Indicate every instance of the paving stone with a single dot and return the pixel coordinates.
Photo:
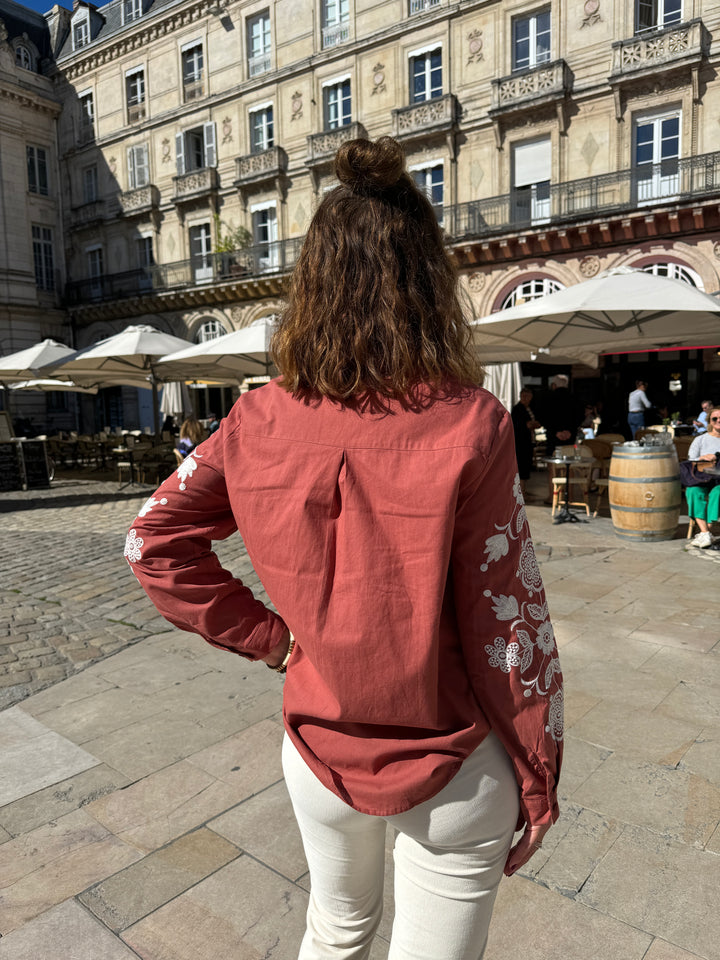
(648, 898)
(673, 634)
(249, 761)
(66, 931)
(637, 733)
(617, 682)
(662, 950)
(210, 920)
(703, 756)
(245, 825)
(580, 760)
(693, 703)
(144, 886)
(100, 714)
(59, 799)
(534, 922)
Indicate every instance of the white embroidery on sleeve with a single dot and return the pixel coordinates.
(133, 543)
(187, 468)
(149, 504)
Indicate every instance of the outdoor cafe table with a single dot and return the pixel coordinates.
(566, 515)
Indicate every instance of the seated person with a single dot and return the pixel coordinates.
(701, 424)
(704, 500)
(191, 434)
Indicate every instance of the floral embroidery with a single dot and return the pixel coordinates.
(149, 504)
(529, 641)
(133, 543)
(502, 656)
(187, 468)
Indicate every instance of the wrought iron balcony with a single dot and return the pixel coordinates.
(258, 167)
(430, 116)
(680, 44)
(335, 34)
(258, 64)
(322, 147)
(193, 90)
(136, 111)
(252, 263)
(139, 202)
(195, 184)
(527, 88)
(591, 198)
(420, 6)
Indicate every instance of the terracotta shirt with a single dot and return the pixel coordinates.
(395, 547)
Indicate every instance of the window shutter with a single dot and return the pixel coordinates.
(210, 150)
(131, 168)
(141, 165)
(180, 153)
(533, 163)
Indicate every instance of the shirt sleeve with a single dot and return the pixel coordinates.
(169, 549)
(695, 448)
(645, 402)
(506, 634)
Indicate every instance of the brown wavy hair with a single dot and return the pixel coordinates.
(372, 306)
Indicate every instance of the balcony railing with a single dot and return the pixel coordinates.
(258, 64)
(193, 90)
(194, 184)
(136, 111)
(87, 214)
(139, 201)
(417, 6)
(440, 113)
(262, 260)
(265, 165)
(334, 34)
(519, 90)
(322, 147)
(666, 47)
(591, 198)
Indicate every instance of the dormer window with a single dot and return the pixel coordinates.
(81, 33)
(23, 57)
(132, 10)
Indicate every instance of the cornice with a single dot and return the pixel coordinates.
(25, 98)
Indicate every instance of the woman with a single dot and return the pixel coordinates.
(375, 488)
(191, 434)
(704, 499)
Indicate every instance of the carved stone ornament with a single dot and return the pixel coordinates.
(227, 130)
(589, 266)
(475, 46)
(237, 314)
(112, 165)
(476, 281)
(166, 150)
(378, 78)
(296, 106)
(716, 250)
(3, 32)
(591, 13)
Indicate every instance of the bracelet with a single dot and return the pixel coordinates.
(282, 667)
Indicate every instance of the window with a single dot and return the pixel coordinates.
(201, 252)
(532, 164)
(531, 40)
(261, 129)
(337, 104)
(87, 115)
(426, 76)
(530, 290)
(192, 71)
(655, 14)
(131, 10)
(145, 260)
(43, 257)
(265, 236)
(209, 330)
(675, 271)
(23, 57)
(81, 33)
(430, 180)
(135, 94)
(335, 22)
(258, 42)
(138, 166)
(95, 269)
(90, 184)
(417, 6)
(37, 170)
(195, 149)
(657, 151)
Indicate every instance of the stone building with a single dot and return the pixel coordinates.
(190, 141)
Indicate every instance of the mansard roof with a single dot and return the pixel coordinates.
(112, 22)
(21, 20)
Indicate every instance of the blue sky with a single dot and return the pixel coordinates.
(42, 6)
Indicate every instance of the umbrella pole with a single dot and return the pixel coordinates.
(156, 409)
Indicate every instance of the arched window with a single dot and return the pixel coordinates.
(209, 330)
(23, 57)
(530, 290)
(676, 271)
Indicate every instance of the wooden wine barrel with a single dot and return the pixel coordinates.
(644, 492)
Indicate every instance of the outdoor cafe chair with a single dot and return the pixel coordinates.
(582, 479)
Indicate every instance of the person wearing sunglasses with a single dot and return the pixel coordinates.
(704, 499)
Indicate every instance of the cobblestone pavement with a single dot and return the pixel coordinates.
(68, 598)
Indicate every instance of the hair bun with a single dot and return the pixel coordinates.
(368, 167)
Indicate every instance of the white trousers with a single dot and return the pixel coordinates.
(449, 856)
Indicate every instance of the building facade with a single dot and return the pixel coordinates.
(191, 142)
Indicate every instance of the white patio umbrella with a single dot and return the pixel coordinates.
(62, 386)
(504, 381)
(243, 353)
(175, 400)
(26, 364)
(619, 309)
(129, 357)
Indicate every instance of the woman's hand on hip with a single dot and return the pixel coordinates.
(528, 844)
